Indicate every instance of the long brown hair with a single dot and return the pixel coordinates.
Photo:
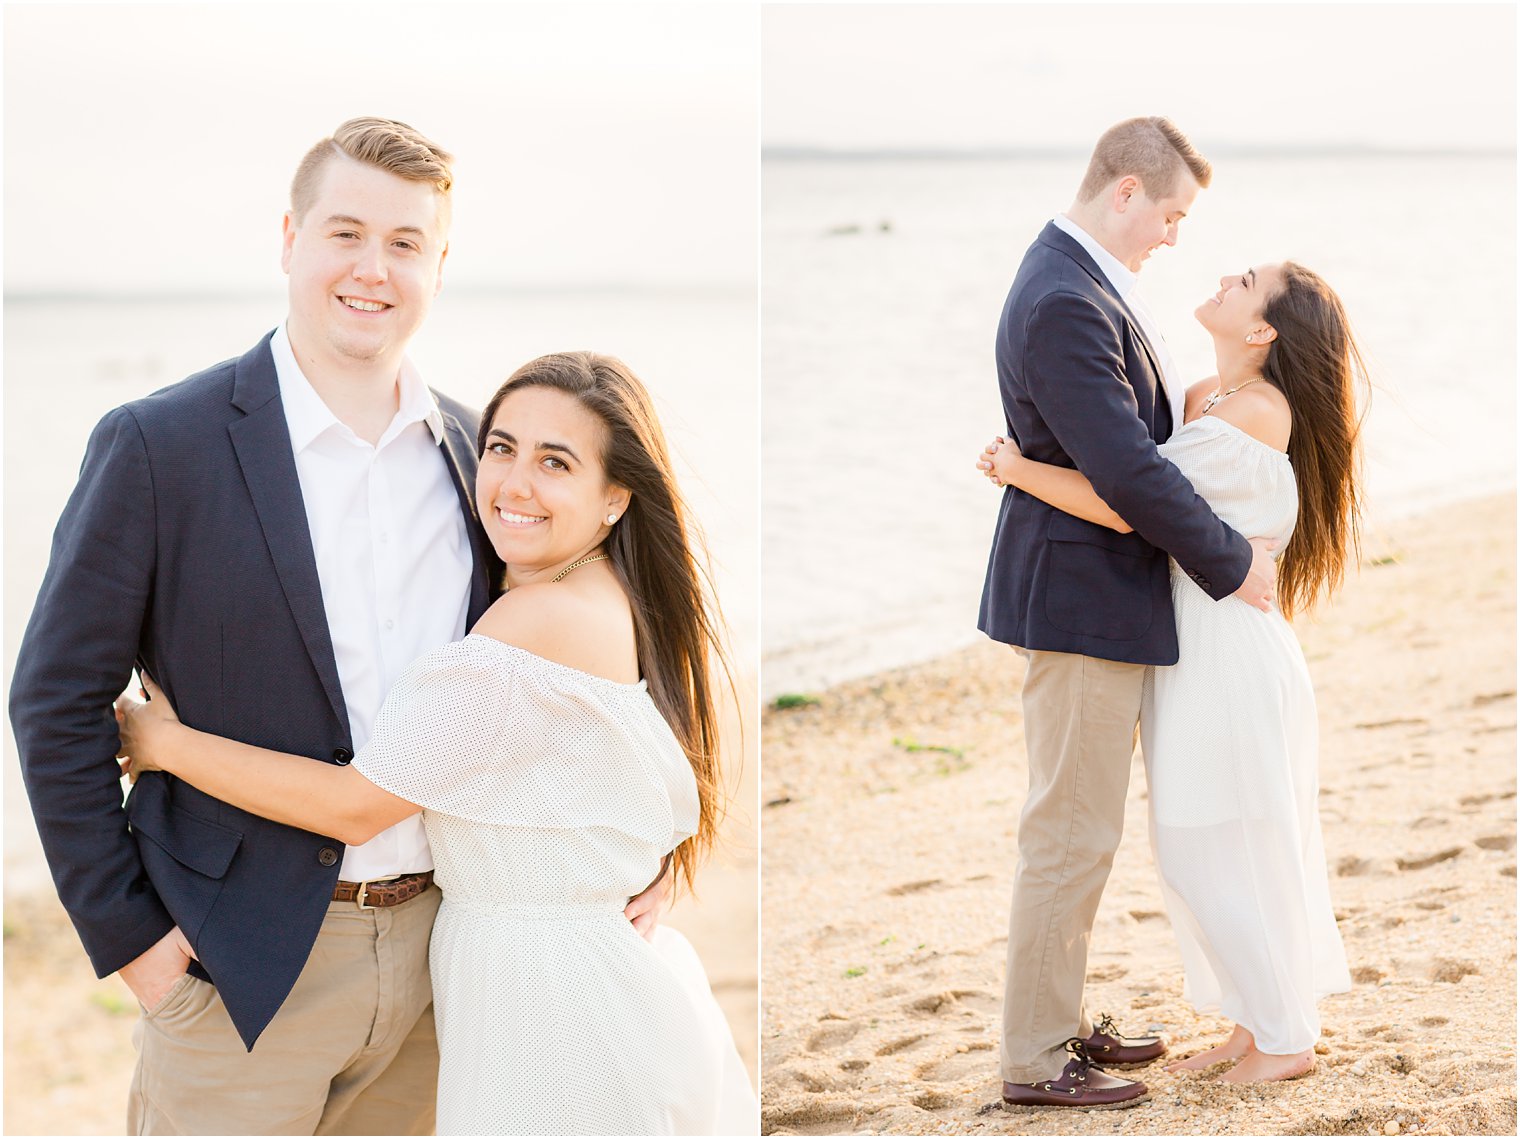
(1316, 364)
(676, 620)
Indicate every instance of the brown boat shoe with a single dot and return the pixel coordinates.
(1081, 1085)
(1112, 1049)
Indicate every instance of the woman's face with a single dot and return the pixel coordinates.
(1236, 309)
(541, 488)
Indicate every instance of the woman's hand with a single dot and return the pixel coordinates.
(1000, 462)
(143, 727)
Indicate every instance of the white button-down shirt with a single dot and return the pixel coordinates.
(393, 556)
(1126, 284)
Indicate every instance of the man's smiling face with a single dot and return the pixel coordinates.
(1145, 225)
(365, 263)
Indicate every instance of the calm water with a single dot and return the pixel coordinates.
(880, 388)
(68, 362)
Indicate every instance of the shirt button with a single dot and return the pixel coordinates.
(342, 755)
(390, 624)
(327, 856)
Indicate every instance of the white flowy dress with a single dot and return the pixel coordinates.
(1231, 742)
(550, 797)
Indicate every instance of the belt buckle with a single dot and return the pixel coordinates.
(362, 894)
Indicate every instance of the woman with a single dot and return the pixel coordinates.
(1230, 734)
(559, 754)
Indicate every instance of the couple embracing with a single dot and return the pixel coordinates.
(351, 600)
(1133, 567)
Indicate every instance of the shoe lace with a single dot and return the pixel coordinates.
(1106, 1026)
(1079, 1055)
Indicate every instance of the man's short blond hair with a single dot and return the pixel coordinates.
(383, 143)
(1153, 150)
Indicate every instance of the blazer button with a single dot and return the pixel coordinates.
(342, 755)
(327, 856)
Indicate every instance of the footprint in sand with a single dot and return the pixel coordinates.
(1428, 821)
(835, 935)
(1423, 861)
(1452, 969)
(832, 1035)
(1352, 866)
(1496, 842)
(974, 1063)
(1433, 1021)
(1107, 973)
(1491, 697)
(914, 887)
(812, 1079)
(953, 1002)
(1366, 975)
(1489, 797)
(932, 1101)
(1146, 915)
(812, 1117)
(901, 1044)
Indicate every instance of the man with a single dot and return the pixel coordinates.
(274, 541)
(1087, 383)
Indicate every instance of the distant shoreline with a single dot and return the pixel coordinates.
(842, 659)
(785, 152)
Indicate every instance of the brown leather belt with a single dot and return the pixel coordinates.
(377, 895)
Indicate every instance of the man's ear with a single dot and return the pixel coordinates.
(287, 239)
(438, 284)
(1125, 189)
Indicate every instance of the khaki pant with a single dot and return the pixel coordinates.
(352, 1051)
(1080, 715)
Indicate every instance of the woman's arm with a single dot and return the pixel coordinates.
(319, 797)
(1067, 490)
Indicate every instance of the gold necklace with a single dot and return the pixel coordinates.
(578, 564)
(1218, 395)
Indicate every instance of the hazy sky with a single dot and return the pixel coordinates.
(1012, 75)
(151, 146)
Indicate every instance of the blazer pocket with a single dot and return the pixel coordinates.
(1100, 580)
(194, 842)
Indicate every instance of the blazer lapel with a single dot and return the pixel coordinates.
(459, 454)
(1058, 238)
(261, 440)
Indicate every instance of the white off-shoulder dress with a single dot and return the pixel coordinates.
(550, 797)
(1231, 742)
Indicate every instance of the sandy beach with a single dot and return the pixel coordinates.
(889, 812)
(68, 1036)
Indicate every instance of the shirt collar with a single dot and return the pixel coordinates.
(307, 416)
(1118, 275)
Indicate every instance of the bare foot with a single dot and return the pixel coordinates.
(1240, 1042)
(1260, 1067)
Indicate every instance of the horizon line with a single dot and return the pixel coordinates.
(181, 295)
(790, 152)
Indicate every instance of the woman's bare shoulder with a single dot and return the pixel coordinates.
(586, 629)
(1261, 411)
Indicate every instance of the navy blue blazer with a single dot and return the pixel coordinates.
(185, 549)
(1081, 389)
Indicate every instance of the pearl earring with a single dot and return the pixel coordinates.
(611, 518)
(1248, 338)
